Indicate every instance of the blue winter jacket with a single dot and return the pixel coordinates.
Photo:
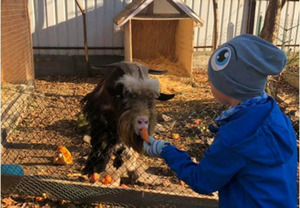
(252, 161)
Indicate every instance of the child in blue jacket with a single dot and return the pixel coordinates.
(252, 161)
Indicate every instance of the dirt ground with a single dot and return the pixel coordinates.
(50, 117)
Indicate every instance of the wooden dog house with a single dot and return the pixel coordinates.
(159, 28)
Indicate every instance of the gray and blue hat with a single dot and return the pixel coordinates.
(240, 67)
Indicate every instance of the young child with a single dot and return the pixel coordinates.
(252, 161)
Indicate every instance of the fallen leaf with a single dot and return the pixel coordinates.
(7, 201)
(71, 175)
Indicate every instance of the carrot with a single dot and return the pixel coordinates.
(145, 136)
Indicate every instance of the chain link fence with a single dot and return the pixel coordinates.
(45, 139)
(39, 118)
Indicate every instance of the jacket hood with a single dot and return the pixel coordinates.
(262, 134)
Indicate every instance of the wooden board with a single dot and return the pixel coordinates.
(128, 41)
(170, 40)
(151, 38)
(184, 44)
(160, 17)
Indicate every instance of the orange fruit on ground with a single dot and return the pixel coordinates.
(39, 199)
(95, 177)
(197, 121)
(107, 180)
(175, 136)
(124, 185)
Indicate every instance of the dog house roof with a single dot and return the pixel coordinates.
(156, 9)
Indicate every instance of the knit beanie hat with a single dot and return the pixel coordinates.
(240, 67)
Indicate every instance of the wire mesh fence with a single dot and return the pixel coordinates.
(37, 119)
(45, 142)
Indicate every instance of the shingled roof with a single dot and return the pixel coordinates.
(136, 6)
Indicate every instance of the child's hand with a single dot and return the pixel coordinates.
(156, 146)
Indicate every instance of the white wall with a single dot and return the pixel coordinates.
(59, 23)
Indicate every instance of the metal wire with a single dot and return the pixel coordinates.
(35, 121)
